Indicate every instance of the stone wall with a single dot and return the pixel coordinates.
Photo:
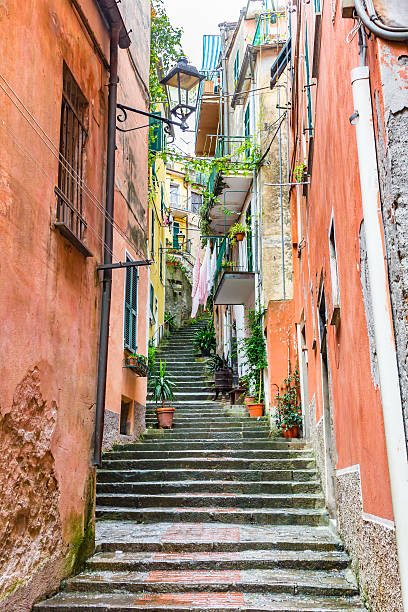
(111, 432)
(178, 294)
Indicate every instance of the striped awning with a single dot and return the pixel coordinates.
(211, 52)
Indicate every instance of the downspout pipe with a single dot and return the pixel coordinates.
(108, 246)
(225, 83)
(382, 318)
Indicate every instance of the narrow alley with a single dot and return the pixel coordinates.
(222, 517)
(203, 305)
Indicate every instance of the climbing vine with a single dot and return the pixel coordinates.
(165, 48)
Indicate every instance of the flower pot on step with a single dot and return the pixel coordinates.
(255, 409)
(165, 417)
(291, 432)
(239, 236)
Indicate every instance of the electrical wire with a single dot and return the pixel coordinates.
(67, 166)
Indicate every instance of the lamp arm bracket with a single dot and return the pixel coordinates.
(124, 264)
(122, 116)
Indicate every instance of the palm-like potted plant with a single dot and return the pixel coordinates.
(237, 232)
(162, 390)
(254, 346)
(289, 411)
(205, 341)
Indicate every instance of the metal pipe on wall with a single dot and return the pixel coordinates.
(382, 317)
(108, 247)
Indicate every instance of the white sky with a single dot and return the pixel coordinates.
(198, 17)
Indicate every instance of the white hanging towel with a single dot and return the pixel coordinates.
(196, 283)
(213, 267)
(202, 289)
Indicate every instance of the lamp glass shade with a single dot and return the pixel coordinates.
(183, 84)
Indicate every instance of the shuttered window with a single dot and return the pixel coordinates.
(152, 245)
(308, 85)
(130, 323)
(236, 69)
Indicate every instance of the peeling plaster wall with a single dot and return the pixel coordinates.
(178, 295)
(391, 113)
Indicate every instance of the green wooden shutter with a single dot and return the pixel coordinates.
(176, 230)
(152, 245)
(155, 133)
(130, 315)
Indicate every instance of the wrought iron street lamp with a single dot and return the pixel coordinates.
(182, 85)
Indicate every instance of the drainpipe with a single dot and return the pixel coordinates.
(108, 246)
(383, 324)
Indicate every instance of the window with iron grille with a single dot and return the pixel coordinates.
(196, 201)
(73, 136)
(130, 323)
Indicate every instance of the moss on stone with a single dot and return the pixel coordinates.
(82, 541)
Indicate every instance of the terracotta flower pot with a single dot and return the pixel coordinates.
(291, 432)
(255, 410)
(249, 399)
(165, 417)
(239, 237)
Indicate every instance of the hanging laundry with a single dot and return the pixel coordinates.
(212, 269)
(194, 289)
(203, 290)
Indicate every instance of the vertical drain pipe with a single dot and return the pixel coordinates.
(108, 247)
(382, 316)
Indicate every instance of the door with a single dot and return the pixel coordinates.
(328, 425)
(176, 231)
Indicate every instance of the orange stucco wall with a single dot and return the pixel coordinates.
(281, 344)
(335, 190)
(49, 292)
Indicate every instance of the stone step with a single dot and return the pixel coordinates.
(212, 422)
(112, 536)
(192, 602)
(240, 454)
(233, 514)
(247, 581)
(239, 560)
(214, 463)
(209, 487)
(204, 500)
(249, 444)
(232, 475)
(240, 434)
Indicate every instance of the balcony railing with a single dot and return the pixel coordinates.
(230, 146)
(271, 28)
(233, 271)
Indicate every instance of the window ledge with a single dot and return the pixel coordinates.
(63, 229)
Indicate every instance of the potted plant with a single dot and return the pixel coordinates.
(289, 412)
(228, 265)
(238, 231)
(137, 363)
(162, 389)
(254, 346)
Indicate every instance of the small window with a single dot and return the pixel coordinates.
(196, 202)
(236, 69)
(151, 301)
(71, 169)
(130, 323)
(334, 275)
(174, 195)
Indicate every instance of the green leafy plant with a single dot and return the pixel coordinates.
(161, 385)
(289, 411)
(299, 172)
(254, 347)
(215, 364)
(151, 357)
(165, 48)
(237, 228)
(204, 340)
(169, 319)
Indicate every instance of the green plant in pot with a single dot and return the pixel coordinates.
(254, 347)
(289, 410)
(162, 388)
(237, 232)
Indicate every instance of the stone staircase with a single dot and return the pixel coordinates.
(212, 516)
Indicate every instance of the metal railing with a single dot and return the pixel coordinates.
(271, 28)
(228, 257)
(227, 146)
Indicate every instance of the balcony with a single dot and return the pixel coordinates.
(234, 279)
(229, 187)
(208, 115)
(271, 29)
